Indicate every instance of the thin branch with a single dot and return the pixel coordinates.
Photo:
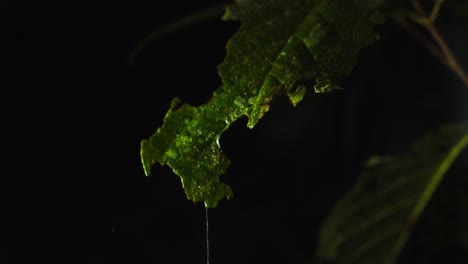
(191, 19)
(450, 58)
(403, 23)
(418, 7)
(435, 10)
(443, 53)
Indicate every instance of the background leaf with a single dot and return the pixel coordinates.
(281, 48)
(443, 224)
(372, 222)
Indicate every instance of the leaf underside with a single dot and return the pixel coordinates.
(282, 47)
(372, 222)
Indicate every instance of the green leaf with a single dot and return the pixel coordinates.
(282, 47)
(372, 222)
(463, 212)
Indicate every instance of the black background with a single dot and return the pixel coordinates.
(75, 112)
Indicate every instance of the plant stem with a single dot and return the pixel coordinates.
(444, 53)
(196, 17)
(449, 57)
(403, 23)
(435, 10)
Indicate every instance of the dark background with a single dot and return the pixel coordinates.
(75, 113)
